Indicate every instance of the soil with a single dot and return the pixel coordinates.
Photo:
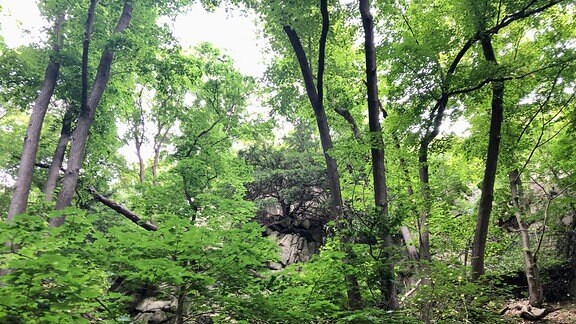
(562, 312)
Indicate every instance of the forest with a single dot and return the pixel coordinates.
(405, 161)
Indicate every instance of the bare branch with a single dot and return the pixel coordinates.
(123, 211)
(350, 119)
(550, 198)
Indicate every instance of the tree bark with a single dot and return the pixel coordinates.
(404, 230)
(387, 284)
(315, 95)
(487, 196)
(536, 295)
(138, 124)
(59, 152)
(80, 135)
(424, 176)
(159, 140)
(66, 132)
(321, 121)
(19, 201)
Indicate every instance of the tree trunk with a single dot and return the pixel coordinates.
(404, 230)
(536, 296)
(316, 101)
(59, 152)
(141, 165)
(155, 164)
(85, 120)
(19, 201)
(410, 248)
(180, 304)
(159, 140)
(387, 284)
(424, 176)
(138, 133)
(487, 196)
(315, 95)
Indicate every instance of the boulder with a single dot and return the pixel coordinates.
(154, 311)
(533, 313)
(150, 304)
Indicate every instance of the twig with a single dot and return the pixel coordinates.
(546, 217)
(411, 291)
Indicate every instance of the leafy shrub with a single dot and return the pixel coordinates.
(452, 299)
(51, 274)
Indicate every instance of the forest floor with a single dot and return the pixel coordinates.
(563, 312)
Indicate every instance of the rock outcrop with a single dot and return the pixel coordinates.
(153, 311)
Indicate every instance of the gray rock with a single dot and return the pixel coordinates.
(150, 304)
(275, 266)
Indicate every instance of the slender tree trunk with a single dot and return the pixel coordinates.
(180, 304)
(387, 284)
(536, 296)
(141, 165)
(59, 152)
(404, 230)
(155, 164)
(85, 119)
(19, 201)
(423, 229)
(321, 121)
(487, 196)
(159, 140)
(316, 95)
(138, 129)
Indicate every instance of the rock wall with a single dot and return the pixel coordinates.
(294, 248)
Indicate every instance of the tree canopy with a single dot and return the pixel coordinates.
(426, 173)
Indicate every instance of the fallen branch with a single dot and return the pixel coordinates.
(123, 211)
(411, 291)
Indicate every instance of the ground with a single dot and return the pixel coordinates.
(563, 312)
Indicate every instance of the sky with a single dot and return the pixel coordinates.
(233, 32)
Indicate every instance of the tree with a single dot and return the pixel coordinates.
(485, 204)
(496, 119)
(86, 117)
(19, 200)
(388, 288)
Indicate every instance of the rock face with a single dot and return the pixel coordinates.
(154, 311)
(295, 248)
(299, 240)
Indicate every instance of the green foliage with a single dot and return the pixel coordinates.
(309, 292)
(63, 274)
(53, 275)
(450, 298)
(21, 72)
(192, 107)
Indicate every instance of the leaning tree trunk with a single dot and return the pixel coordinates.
(19, 201)
(387, 285)
(59, 152)
(487, 196)
(404, 230)
(80, 136)
(536, 296)
(159, 140)
(316, 96)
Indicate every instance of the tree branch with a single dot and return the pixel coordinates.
(350, 119)
(123, 211)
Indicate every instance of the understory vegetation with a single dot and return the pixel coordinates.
(425, 172)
